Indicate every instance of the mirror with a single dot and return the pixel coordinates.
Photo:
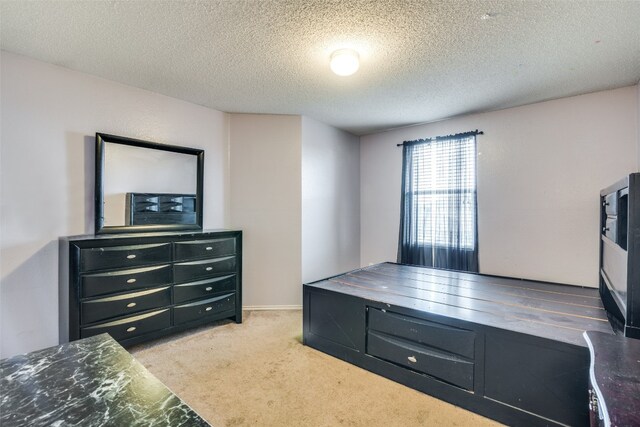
(145, 186)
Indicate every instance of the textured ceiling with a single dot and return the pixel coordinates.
(421, 60)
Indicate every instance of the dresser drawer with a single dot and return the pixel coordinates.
(203, 309)
(444, 337)
(611, 228)
(205, 248)
(124, 256)
(444, 366)
(184, 271)
(202, 288)
(178, 203)
(125, 280)
(611, 203)
(121, 305)
(130, 327)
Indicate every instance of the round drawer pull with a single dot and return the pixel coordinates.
(131, 280)
(131, 304)
(412, 359)
(209, 288)
(132, 256)
(208, 309)
(209, 248)
(131, 329)
(209, 268)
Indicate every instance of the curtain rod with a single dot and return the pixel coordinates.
(457, 135)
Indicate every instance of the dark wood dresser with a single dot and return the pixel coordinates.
(138, 287)
(614, 380)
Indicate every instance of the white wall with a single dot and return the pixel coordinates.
(540, 169)
(293, 181)
(330, 201)
(49, 118)
(265, 201)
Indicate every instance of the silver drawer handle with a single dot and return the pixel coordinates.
(412, 359)
(132, 256)
(131, 304)
(208, 309)
(131, 280)
(208, 248)
(131, 329)
(209, 288)
(209, 268)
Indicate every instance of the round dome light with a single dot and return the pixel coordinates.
(344, 62)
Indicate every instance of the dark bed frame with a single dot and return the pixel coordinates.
(509, 349)
(620, 254)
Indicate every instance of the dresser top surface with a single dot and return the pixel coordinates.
(94, 382)
(121, 236)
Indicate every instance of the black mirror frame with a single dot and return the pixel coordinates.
(100, 228)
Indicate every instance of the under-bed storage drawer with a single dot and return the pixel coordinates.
(130, 327)
(436, 335)
(203, 309)
(441, 351)
(445, 366)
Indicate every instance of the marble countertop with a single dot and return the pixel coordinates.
(90, 382)
(615, 377)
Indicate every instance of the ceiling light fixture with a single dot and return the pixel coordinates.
(344, 62)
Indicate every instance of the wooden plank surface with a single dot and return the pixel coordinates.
(557, 312)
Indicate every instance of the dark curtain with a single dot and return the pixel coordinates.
(438, 212)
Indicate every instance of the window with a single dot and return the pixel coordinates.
(438, 222)
(442, 174)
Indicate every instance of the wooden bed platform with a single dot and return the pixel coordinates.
(508, 349)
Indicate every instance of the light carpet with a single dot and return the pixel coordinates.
(258, 373)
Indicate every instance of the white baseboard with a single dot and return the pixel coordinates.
(271, 307)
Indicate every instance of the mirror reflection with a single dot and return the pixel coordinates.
(141, 184)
